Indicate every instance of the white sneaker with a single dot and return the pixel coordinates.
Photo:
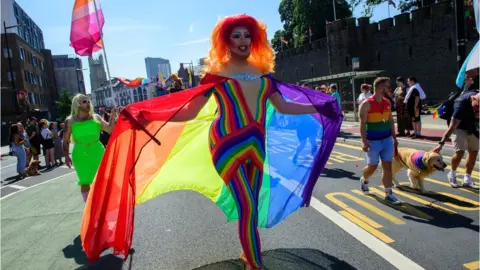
(467, 182)
(452, 179)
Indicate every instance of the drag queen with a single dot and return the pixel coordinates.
(213, 139)
(84, 127)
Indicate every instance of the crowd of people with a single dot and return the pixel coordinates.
(30, 138)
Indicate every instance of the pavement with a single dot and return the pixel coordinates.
(342, 229)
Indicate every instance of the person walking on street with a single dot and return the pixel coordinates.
(464, 125)
(365, 93)
(85, 126)
(18, 150)
(35, 141)
(413, 99)
(335, 94)
(48, 145)
(378, 137)
(403, 121)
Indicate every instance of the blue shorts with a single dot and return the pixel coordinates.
(380, 149)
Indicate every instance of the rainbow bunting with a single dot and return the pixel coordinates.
(85, 33)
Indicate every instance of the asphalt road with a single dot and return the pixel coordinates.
(183, 230)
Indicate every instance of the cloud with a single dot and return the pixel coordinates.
(202, 40)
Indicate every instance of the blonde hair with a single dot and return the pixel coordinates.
(75, 104)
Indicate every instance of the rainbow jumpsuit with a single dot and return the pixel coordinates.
(237, 144)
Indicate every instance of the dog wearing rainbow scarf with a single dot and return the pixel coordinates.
(420, 164)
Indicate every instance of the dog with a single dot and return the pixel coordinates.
(420, 164)
(33, 168)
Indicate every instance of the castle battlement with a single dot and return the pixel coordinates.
(397, 24)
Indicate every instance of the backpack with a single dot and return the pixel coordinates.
(445, 110)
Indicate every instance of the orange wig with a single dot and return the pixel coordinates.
(261, 55)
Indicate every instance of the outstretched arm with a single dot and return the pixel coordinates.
(285, 107)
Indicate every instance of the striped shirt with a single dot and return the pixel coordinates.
(378, 119)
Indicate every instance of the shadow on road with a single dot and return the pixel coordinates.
(286, 259)
(339, 173)
(430, 215)
(75, 252)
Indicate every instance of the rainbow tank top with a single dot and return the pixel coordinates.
(378, 122)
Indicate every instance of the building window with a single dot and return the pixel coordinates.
(9, 76)
(6, 52)
(34, 61)
(145, 97)
(42, 65)
(15, 10)
(30, 98)
(22, 53)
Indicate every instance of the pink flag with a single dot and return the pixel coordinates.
(85, 34)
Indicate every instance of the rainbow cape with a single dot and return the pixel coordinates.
(148, 155)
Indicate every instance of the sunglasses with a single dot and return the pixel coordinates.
(85, 101)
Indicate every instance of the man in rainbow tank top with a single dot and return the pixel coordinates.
(378, 137)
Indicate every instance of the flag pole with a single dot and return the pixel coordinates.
(104, 51)
(388, 5)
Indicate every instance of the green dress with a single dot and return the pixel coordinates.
(87, 150)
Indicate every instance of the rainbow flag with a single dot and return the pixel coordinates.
(131, 83)
(438, 112)
(161, 145)
(190, 78)
(85, 33)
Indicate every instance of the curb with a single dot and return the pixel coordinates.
(445, 158)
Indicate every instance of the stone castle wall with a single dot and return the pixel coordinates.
(420, 44)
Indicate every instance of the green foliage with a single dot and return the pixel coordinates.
(402, 6)
(63, 105)
(298, 16)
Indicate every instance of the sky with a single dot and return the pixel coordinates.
(174, 30)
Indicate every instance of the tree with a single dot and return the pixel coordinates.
(63, 105)
(298, 16)
(403, 5)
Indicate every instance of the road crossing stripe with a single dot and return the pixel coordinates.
(448, 185)
(406, 208)
(385, 215)
(461, 180)
(472, 265)
(15, 186)
(335, 159)
(424, 202)
(388, 253)
(367, 227)
(27, 188)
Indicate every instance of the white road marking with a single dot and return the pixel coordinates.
(383, 250)
(15, 186)
(56, 178)
(3, 167)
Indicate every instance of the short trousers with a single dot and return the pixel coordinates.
(380, 149)
(464, 141)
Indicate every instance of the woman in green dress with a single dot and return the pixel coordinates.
(84, 127)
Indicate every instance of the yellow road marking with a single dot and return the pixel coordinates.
(447, 185)
(461, 180)
(348, 146)
(472, 265)
(387, 216)
(460, 198)
(335, 159)
(366, 227)
(475, 174)
(345, 157)
(364, 218)
(406, 208)
(424, 202)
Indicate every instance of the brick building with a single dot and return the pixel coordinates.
(68, 74)
(27, 79)
(421, 44)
